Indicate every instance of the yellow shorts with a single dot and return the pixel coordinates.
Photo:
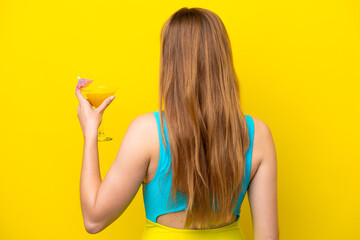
(156, 231)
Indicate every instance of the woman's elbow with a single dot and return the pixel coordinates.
(92, 228)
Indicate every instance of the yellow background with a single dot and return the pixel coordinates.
(298, 65)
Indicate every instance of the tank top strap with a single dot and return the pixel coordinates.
(165, 155)
(157, 117)
(248, 155)
(248, 160)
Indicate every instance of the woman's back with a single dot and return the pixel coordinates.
(171, 223)
(176, 219)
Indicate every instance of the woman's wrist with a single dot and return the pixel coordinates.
(89, 136)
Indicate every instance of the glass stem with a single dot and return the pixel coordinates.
(101, 130)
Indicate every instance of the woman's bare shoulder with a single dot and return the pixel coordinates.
(148, 125)
(263, 139)
(263, 145)
(145, 119)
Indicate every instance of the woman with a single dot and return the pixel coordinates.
(198, 157)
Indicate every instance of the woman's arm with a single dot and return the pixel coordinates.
(102, 202)
(262, 190)
(90, 179)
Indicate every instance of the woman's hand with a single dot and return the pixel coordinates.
(89, 117)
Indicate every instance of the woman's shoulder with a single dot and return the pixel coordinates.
(146, 124)
(261, 125)
(262, 131)
(263, 146)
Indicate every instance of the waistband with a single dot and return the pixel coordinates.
(158, 231)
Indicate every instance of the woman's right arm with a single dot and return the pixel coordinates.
(262, 190)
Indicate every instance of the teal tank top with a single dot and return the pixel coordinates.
(156, 201)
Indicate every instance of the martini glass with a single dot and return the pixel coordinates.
(96, 94)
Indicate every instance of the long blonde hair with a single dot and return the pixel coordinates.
(207, 130)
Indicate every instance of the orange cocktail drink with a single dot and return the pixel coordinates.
(96, 94)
